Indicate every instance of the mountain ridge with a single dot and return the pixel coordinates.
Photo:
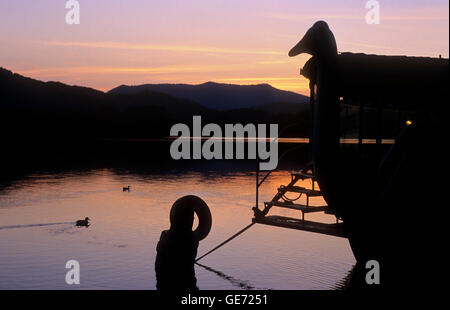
(55, 110)
(219, 96)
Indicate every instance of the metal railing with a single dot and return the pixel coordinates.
(258, 182)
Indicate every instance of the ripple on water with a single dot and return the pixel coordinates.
(38, 235)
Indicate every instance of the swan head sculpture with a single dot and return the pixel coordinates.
(318, 41)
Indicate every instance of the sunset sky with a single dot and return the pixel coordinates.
(194, 41)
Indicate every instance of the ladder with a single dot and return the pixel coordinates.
(280, 200)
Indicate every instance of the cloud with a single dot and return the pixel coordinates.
(274, 62)
(128, 70)
(160, 47)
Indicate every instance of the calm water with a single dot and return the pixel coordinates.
(37, 234)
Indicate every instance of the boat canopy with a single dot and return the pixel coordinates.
(400, 82)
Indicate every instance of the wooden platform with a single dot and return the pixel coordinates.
(300, 207)
(336, 230)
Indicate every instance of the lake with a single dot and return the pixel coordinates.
(38, 235)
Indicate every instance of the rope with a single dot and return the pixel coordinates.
(226, 241)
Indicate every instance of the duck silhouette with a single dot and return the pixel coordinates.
(84, 222)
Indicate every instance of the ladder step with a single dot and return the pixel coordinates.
(302, 190)
(296, 206)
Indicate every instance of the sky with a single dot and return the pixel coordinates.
(135, 42)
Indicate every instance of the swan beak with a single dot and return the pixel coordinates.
(304, 46)
(297, 49)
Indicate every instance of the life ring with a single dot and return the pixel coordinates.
(187, 205)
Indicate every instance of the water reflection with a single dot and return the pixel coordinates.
(118, 250)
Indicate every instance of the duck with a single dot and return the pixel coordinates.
(125, 189)
(84, 222)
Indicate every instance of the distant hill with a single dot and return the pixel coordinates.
(31, 108)
(17, 91)
(221, 97)
(34, 113)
